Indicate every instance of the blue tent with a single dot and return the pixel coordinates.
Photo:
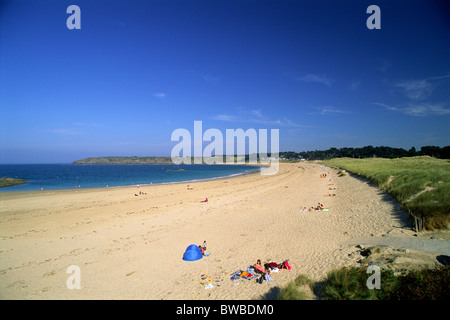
(192, 253)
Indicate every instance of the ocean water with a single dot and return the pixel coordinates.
(66, 176)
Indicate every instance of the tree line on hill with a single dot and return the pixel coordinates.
(368, 152)
(364, 152)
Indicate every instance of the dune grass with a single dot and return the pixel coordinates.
(420, 184)
(350, 283)
(299, 289)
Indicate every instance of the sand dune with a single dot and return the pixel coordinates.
(130, 246)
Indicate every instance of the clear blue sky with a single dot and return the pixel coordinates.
(138, 70)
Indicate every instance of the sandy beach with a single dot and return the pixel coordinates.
(129, 245)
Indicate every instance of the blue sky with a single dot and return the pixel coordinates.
(138, 70)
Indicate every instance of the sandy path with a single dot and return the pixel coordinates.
(130, 247)
(428, 245)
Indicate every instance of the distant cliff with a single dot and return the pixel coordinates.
(123, 160)
(151, 160)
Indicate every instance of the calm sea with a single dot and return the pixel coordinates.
(66, 176)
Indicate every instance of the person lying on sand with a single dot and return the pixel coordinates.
(258, 267)
(330, 195)
(206, 200)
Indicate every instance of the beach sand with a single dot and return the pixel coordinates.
(130, 246)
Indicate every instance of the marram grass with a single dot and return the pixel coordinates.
(420, 184)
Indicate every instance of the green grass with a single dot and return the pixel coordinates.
(295, 290)
(420, 184)
(350, 283)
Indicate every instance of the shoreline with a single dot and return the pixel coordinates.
(253, 171)
(131, 247)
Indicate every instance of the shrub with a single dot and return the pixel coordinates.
(295, 289)
(350, 283)
(426, 284)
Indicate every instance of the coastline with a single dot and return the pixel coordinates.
(253, 171)
(130, 246)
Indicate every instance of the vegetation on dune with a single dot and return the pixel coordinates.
(350, 283)
(420, 184)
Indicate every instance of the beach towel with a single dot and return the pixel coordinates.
(247, 276)
(285, 265)
(208, 286)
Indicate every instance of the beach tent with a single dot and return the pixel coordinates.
(192, 253)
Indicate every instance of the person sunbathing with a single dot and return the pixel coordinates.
(258, 267)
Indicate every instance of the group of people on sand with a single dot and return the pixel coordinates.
(331, 188)
(267, 269)
(203, 247)
(319, 207)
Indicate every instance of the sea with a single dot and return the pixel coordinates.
(67, 176)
